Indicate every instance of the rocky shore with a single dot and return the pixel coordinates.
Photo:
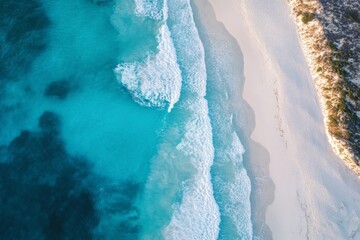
(330, 33)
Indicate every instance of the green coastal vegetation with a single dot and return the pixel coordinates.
(330, 31)
(307, 17)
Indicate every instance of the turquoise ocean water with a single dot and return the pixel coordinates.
(113, 127)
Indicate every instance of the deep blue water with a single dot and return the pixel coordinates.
(109, 130)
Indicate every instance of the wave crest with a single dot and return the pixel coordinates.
(154, 9)
(155, 82)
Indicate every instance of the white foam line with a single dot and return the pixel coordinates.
(157, 80)
(190, 51)
(235, 188)
(197, 216)
(150, 8)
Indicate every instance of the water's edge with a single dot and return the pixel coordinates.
(256, 157)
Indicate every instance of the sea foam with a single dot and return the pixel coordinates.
(155, 9)
(232, 187)
(155, 81)
(179, 184)
(197, 216)
(190, 51)
(233, 184)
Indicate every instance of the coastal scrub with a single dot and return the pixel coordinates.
(331, 41)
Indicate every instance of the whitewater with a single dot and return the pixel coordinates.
(183, 168)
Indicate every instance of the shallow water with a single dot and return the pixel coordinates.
(105, 116)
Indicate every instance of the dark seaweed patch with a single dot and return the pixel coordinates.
(45, 193)
(43, 190)
(59, 89)
(3, 154)
(102, 2)
(49, 122)
(118, 204)
(23, 25)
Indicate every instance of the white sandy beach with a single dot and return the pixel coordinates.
(316, 196)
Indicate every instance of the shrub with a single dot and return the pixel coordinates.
(353, 15)
(307, 17)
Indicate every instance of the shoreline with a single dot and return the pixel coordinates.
(214, 34)
(316, 196)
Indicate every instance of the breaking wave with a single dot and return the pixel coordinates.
(155, 81)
